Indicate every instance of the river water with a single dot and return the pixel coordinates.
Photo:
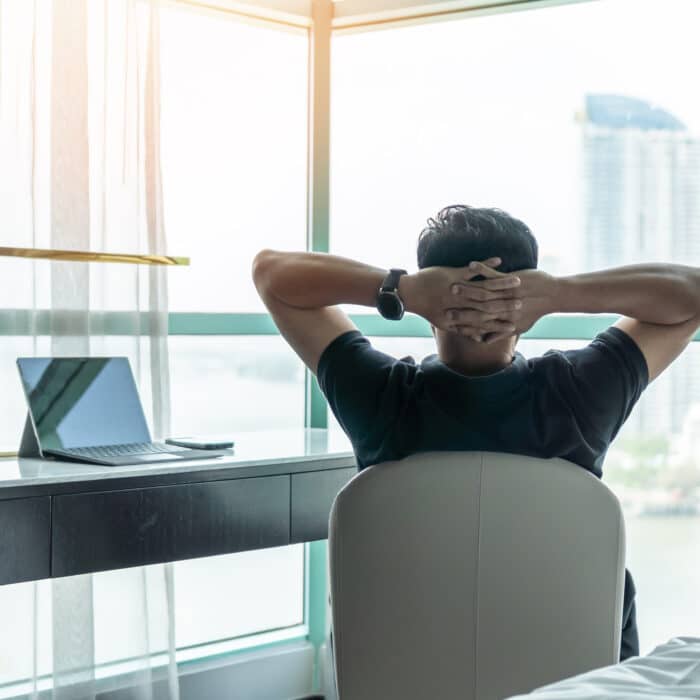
(663, 554)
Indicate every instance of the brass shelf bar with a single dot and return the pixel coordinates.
(8, 455)
(84, 256)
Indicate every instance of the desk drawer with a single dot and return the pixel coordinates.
(25, 530)
(312, 497)
(101, 531)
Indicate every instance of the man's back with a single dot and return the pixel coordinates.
(567, 404)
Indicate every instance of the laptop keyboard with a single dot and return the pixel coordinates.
(135, 448)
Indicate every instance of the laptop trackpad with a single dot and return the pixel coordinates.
(157, 457)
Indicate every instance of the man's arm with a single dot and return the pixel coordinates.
(660, 303)
(302, 291)
(660, 294)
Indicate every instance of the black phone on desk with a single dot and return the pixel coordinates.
(200, 443)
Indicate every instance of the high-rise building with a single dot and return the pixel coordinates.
(641, 184)
(641, 180)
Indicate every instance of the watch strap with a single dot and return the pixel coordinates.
(391, 281)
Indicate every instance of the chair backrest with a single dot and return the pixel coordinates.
(473, 575)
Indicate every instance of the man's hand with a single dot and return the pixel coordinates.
(448, 298)
(537, 292)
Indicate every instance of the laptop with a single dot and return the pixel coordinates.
(87, 409)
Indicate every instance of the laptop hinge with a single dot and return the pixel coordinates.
(29, 446)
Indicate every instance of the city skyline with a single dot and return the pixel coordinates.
(641, 180)
(641, 202)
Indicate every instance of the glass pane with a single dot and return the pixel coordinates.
(216, 598)
(234, 116)
(561, 116)
(237, 594)
(17, 603)
(221, 385)
(654, 468)
(14, 403)
(130, 613)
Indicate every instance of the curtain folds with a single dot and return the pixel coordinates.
(80, 168)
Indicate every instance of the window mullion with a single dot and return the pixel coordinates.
(316, 413)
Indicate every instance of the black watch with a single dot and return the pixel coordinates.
(389, 303)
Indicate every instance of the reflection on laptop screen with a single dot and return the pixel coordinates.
(83, 402)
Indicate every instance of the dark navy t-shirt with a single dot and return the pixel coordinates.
(567, 404)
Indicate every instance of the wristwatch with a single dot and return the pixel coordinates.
(389, 303)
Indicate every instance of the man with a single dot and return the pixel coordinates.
(479, 288)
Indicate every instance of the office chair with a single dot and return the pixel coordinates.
(473, 575)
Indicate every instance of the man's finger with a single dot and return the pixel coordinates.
(467, 272)
(499, 306)
(468, 317)
(464, 311)
(499, 288)
(498, 326)
(508, 282)
(462, 294)
(476, 269)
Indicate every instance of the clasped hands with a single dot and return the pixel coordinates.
(486, 310)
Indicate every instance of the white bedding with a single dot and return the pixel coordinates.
(672, 670)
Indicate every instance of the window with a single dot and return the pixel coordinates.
(227, 384)
(564, 118)
(234, 108)
(503, 111)
(264, 590)
(234, 164)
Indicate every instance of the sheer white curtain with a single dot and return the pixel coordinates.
(80, 169)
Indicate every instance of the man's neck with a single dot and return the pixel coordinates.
(475, 359)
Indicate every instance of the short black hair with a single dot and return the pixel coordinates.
(460, 234)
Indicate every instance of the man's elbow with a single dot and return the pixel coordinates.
(689, 301)
(263, 270)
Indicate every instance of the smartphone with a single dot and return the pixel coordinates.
(200, 443)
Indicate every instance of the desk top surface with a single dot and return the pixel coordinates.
(264, 453)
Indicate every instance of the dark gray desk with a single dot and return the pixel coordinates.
(62, 519)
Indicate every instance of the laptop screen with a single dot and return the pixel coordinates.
(83, 402)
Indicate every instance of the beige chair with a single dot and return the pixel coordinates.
(473, 575)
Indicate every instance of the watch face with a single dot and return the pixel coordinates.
(390, 305)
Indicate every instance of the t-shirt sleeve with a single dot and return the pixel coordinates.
(359, 383)
(604, 381)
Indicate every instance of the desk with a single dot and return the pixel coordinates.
(63, 518)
